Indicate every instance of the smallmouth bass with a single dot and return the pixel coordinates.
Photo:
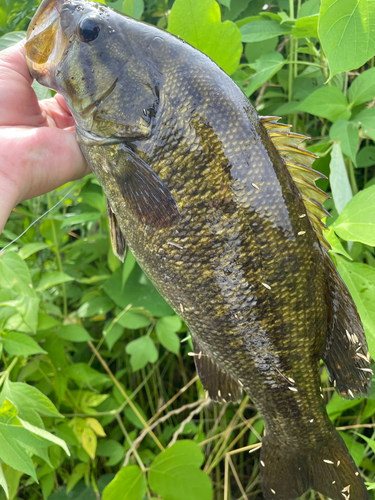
(220, 209)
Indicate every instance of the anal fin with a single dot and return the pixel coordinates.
(346, 353)
(117, 236)
(216, 380)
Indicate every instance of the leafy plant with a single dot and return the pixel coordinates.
(95, 366)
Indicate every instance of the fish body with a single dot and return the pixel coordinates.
(205, 194)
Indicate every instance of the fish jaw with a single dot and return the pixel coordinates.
(46, 43)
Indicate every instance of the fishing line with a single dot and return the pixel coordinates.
(36, 220)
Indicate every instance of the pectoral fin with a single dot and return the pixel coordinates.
(145, 194)
(216, 380)
(117, 236)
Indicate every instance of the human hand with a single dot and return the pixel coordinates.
(38, 149)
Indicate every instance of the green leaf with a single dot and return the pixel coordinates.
(309, 8)
(347, 33)
(134, 320)
(41, 91)
(80, 218)
(338, 178)
(254, 50)
(347, 134)
(99, 305)
(306, 27)
(27, 398)
(133, 8)
(13, 454)
(363, 87)
(360, 280)
(17, 344)
(335, 243)
(32, 248)
(366, 118)
(166, 329)
(356, 449)
(15, 274)
(129, 484)
(45, 435)
(111, 449)
(328, 102)
(53, 278)
(366, 157)
(74, 333)
(3, 481)
(85, 375)
(175, 474)
(266, 66)
(141, 352)
(199, 23)
(11, 38)
(369, 441)
(356, 221)
(260, 30)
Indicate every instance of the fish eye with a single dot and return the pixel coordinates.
(89, 29)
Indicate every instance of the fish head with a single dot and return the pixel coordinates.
(93, 56)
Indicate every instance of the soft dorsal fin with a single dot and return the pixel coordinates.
(299, 163)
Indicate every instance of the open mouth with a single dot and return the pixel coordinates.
(45, 41)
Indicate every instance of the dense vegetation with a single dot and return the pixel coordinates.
(95, 366)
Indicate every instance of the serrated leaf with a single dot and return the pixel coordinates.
(347, 33)
(129, 484)
(338, 178)
(356, 221)
(363, 88)
(18, 344)
(347, 134)
(53, 278)
(142, 351)
(74, 333)
(175, 474)
(327, 102)
(199, 23)
(259, 30)
(360, 280)
(266, 66)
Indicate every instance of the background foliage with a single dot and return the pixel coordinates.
(95, 366)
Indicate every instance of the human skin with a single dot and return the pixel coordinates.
(38, 149)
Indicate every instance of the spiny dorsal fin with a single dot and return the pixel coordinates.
(299, 163)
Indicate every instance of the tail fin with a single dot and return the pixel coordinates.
(288, 472)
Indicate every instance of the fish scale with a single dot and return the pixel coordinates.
(220, 209)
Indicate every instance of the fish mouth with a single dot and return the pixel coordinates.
(46, 42)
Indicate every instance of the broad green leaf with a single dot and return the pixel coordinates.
(27, 398)
(363, 87)
(366, 157)
(254, 50)
(266, 66)
(53, 278)
(347, 33)
(356, 449)
(99, 305)
(11, 38)
(347, 134)
(112, 450)
(13, 454)
(18, 344)
(3, 481)
(133, 8)
(199, 23)
(360, 280)
(77, 474)
(85, 375)
(80, 218)
(260, 30)
(175, 474)
(112, 332)
(89, 442)
(306, 27)
(129, 484)
(309, 8)
(141, 352)
(15, 274)
(366, 119)
(74, 333)
(32, 248)
(134, 320)
(369, 441)
(328, 102)
(335, 243)
(338, 178)
(45, 435)
(25, 317)
(166, 329)
(357, 220)
(337, 405)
